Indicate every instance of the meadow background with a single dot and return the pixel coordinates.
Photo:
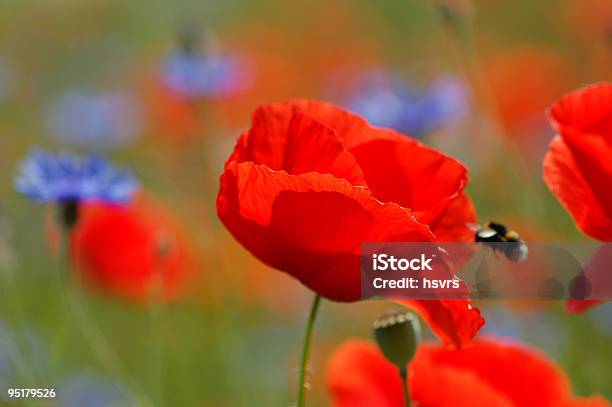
(233, 338)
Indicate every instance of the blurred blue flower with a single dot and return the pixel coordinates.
(84, 390)
(195, 76)
(386, 100)
(47, 177)
(91, 119)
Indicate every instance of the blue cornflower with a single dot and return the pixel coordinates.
(94, 119)
(47, 177)
(196, 76)
(386, 100)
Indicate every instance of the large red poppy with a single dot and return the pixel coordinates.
(490, 373)
(136, 252)
(309, 182)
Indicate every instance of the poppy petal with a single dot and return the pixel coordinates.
(408, 172)
(358, 375)
(404, 175)
(349, 127)
(408, 169)
(592, 156)
(584, 120)
(456, 322)
(564, 179)
(462, 388)
(523, 374)
(492, 373)
(454, 224)
(312, 146)
(283, 137)
(310, 226)
(587, 110)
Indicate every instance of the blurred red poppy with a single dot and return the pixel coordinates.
(544, 75)
(593, 24)
(490, 373)
(136, 252)
(174, 115)
(309, 182)
(592, 21)
(577, 168)
(293, 64)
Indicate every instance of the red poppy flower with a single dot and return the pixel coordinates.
(309, 182)
(577, 167)
(135, 252)
(490, 373)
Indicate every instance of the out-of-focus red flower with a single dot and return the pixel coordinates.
(591, 23)
(593, 20)
(171, 113)
(523, 81)
(309, 182)
(293, 64)
(490, 373)
(136, 252)
(577, 168)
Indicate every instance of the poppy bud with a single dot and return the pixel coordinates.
(397, 334)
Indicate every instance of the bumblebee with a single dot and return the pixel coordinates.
(503, 240)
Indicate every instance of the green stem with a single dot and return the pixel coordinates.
(404, 376)
(91, 332)
(306, 351)
(156, 327)
(9, 289)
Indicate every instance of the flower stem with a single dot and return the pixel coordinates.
(156, 329)
(75, 304)
(404, 376)
(314, 308)
(91, 332)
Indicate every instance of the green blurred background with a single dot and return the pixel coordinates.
(234, 339)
